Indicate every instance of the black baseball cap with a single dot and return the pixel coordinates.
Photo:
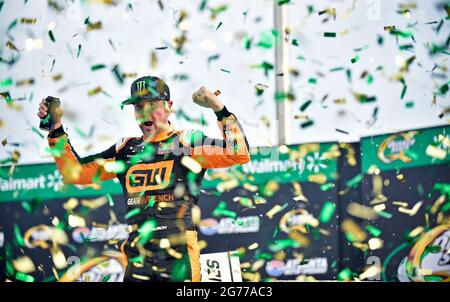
(148, 88)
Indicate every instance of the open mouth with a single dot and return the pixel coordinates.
(148, 123)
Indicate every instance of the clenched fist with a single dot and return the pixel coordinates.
(42, 113)
(207, 99)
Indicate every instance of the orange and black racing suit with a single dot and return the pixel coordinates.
(161, 179)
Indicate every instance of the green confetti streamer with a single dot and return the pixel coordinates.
(97, 67)
(18, 236)
(24, 277)
(266, 40)
(275, 232)
(52, 37)
(446, 207)
(282, 2)
(348, 73)
(110, 200)
(79, 50)
(336, 69)
(326, 187)
(355, 181)
(221, 210)
(35, 130)
(345, 275)
(373, 230)
(6, 83)
(220, 24)
(380, 40)
(384, 214)
(106, 278)
(305, 105)
(403, 91)
(444, 188)
(444, 89)
(307, 124)
(312, 81)
(7, 97)
(137, 259)
(403, 34)
(409, 104)
(406, 47)
(146, 154)
(57, 151)
(283, 244)
(132, 213)
(246, 41)
(151, 202)
(355, 59)
(202, 5)
(146, 231)
(327, 212)
(12, 25)
(181, 269)
(224, 70)
(266, 256)
(118, 74)
(329, 34)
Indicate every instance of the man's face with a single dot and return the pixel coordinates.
(152, 116)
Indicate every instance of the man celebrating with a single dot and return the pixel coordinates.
(161, 174)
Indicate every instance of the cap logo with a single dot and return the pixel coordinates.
(140, 86)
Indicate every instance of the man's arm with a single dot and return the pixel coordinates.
(217, 153)
(76, 170)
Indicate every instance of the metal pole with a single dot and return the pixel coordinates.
(284, 112)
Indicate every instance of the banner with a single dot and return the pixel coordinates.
(414, 148)
(405, 194)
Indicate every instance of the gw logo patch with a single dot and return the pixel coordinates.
(152, 176)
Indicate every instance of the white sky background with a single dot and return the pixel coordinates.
(136, 32)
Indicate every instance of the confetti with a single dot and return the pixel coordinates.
(35, 130)
(28, 20)
(275, 209)
(341, 131)
(221, 210)
(305, 105)
(345, 275)
(412, 211)
(355, 59)
(117, 167)
(146, 231)
(52, 37)
(24, 277)
(352, 231)
(329, 34)
(97, 67)
(327, 212)
(106, 278)
(191, 164)
(24, 265)
(307, 124)
(436, 152)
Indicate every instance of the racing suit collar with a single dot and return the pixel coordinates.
(161, 135)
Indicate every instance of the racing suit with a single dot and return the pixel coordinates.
(160, 179)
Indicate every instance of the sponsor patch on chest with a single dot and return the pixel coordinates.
(164, 148)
